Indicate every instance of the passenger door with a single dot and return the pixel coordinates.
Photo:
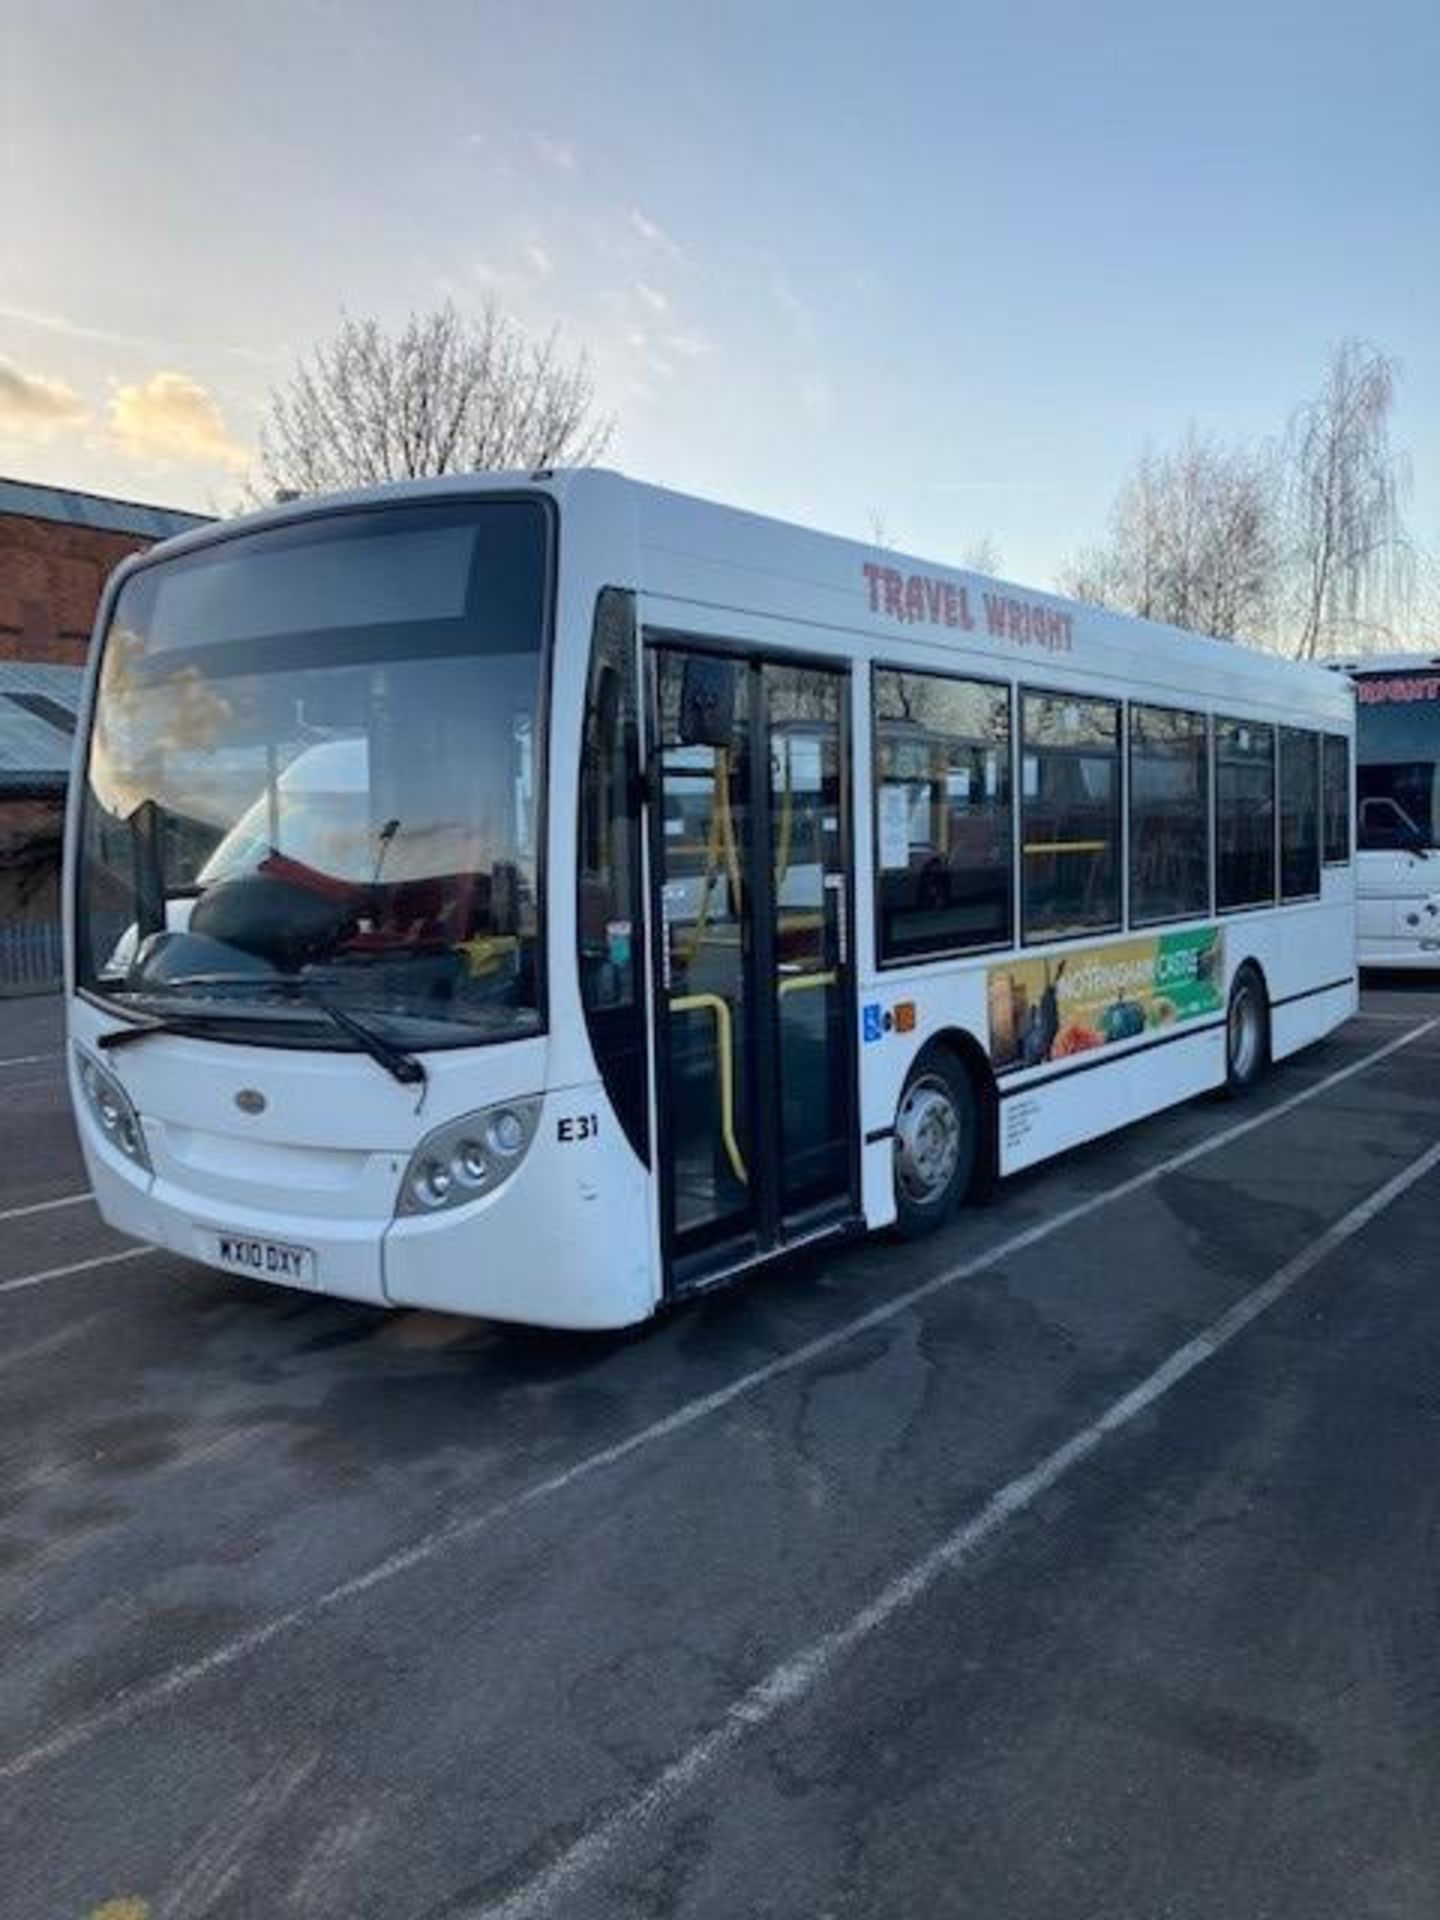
(750, 864)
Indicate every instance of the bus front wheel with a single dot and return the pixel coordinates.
(1247, 1033)
(937, 1136)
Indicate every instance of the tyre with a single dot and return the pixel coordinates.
(1247, 1033)
(937, 1139)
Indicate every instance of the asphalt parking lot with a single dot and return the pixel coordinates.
(1082, 1562)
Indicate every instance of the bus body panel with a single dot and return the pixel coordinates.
(1035, 1124)
(564, 1243)
(1300, 1023)
(1399, 908)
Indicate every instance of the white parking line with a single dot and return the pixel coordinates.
(47, 1206)
(25, 1280)
(29, 1059)
(129, 1702)
(555, 1886)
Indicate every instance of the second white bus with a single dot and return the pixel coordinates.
(546, 896)
(1397, 755)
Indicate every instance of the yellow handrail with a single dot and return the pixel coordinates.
(1065, 846)
(727, 819)
(712, 1003)
(721, 843)
(702, 914)
(799, 982)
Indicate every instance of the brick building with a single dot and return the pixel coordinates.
(57, 549)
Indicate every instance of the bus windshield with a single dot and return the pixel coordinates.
(1397, 755)
(313, 765)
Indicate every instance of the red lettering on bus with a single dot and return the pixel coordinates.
(920, 598)
(1398, 692)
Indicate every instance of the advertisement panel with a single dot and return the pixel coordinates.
(1071, 1003)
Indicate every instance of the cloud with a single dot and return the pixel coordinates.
(693, 345)
(539, 258)
(37, 407)
(653, 235)
(558, 152)
(652, 297)
(172, 417)
(107, 337)
(72, 329)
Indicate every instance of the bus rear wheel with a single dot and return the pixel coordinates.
(1247, 1033)
(937, 1137)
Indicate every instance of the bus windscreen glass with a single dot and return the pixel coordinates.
(1397, 755)
(313, 771)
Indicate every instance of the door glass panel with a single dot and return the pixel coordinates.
(703, 844)
(807, 845)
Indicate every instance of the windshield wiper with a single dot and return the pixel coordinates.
(402, 1066)
(193, 1029)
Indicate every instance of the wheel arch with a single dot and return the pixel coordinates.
(1251, 963)
(967, 1050)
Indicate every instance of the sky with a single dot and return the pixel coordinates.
(950, 267)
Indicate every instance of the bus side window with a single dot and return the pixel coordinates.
(1244, 814)
(1299, 814)
(1070, 815)
(1385, 827)
(942, 798)
(609, 917)
(608, 850)
(1169, 815)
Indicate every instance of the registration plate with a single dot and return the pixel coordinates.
(275, 1260)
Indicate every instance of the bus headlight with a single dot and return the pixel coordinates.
(468, 1157)
(111, 1110)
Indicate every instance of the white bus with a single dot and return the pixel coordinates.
(544, 897)
(1397, 762)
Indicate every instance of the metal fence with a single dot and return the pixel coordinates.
(30, 956)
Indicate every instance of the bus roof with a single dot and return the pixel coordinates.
(1384, 663)
(696, 553)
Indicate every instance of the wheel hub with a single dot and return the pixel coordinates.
(927, 1140)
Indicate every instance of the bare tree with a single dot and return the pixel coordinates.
(1422, 628)
(447, 393)
(981, 555)
(1351, 562)
(1193, 541)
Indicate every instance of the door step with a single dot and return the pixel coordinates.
(707, 1280)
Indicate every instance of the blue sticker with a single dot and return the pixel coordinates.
(870, 1021)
